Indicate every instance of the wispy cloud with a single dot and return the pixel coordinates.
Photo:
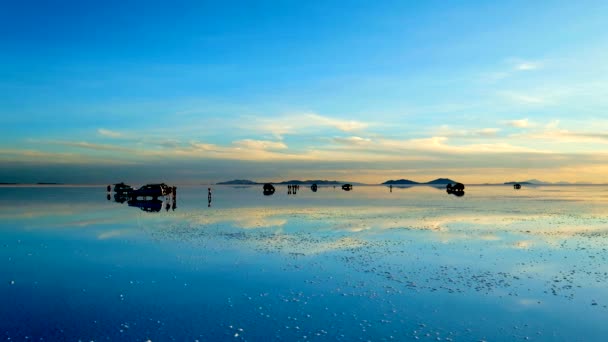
(351, 140)
(521, 123)
(527, 66)
(108, 133)
(260, 144)
(302, 122)
(520, 98)
(93, 146)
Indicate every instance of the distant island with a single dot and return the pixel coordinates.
(411, 182)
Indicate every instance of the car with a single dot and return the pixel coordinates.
(151, 190)
(122, 187)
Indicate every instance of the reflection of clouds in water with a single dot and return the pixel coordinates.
(447, 225)
(110, 234)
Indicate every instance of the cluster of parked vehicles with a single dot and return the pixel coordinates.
(148, 190)
(145, 197)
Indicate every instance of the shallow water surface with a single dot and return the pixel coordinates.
(369, 264)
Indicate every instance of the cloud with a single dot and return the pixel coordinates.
(522, 123)
(448, 131)
(302, 123)
(522, 98)
(92, 146)
(527, 66)
(260, 144)
(351, 140)
(108, 133)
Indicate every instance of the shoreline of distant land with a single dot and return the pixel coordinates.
(245, 182)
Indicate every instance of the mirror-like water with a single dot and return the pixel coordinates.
(367, 264)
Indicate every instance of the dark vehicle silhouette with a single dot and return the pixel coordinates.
(268, 189)
(122, 187)
(347, 187)
(456, 189)
(120, 197)
(149, 206)
(151, 190)
(313, 188)
(517, 186)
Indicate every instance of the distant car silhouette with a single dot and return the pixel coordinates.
(122, 187)
(347, 187)
(517, 186)
(313, 188)
(456, 189)
(268, 189)
(151, 190)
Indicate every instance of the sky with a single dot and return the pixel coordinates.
(361, 91)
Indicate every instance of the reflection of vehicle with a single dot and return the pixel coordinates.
(517, 186)
(313, 188)
(154, 205)
(122, 187)
(152, 190)
(347, 187)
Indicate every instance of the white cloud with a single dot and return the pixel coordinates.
(523, 98)
(300, 123)
(351, 140)
(522, 123)
(527, 66)
(108, 133)
(260, 144)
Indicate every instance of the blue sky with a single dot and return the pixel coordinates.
(358, 90)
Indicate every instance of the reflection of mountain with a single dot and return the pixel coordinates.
(437, 181)
(238, 182)
(295, 181)
(317, 181)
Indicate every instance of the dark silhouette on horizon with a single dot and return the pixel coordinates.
(347, 187)
(314, 187)
(456, 189)
(268, 189)
(517, 186)
(146, 197)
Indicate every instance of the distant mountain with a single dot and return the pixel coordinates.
(441, 181)
(238, 182)
(400, 181)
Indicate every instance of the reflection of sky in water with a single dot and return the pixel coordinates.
(416, 263)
